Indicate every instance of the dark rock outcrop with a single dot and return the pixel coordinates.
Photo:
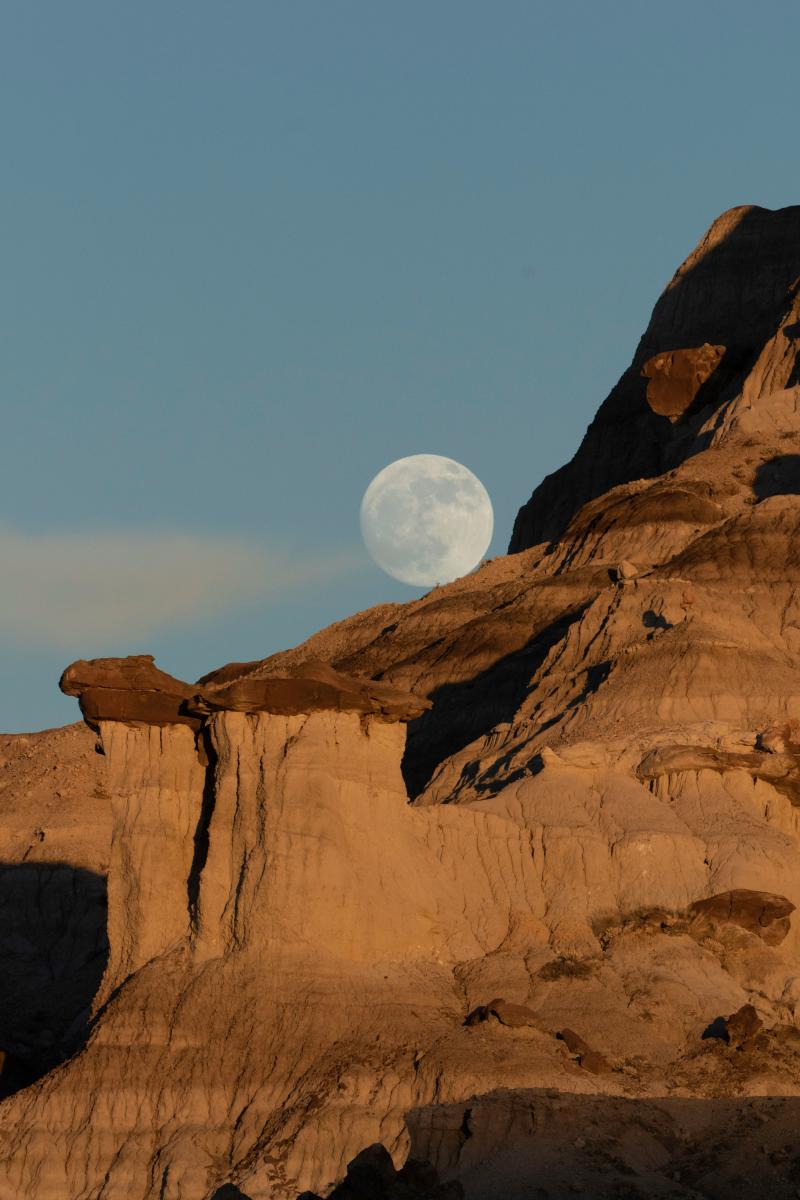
(762, 913)
(309, 687)
(734, 290)
(591, 1060)
(742, 1025)
(676, 377)
(515, 1016)
(134, 690)
(127, 689)
(371, 1176)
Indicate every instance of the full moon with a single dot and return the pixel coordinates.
(426, 520)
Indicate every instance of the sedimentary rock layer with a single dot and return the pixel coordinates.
(457, 875)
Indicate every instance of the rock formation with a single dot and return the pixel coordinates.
(502, 880)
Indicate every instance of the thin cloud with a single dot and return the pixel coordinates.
(82, 589)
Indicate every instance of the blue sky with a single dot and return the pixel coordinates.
(253, 252)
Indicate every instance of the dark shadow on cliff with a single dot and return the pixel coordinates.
(464, 711)
(536, 1143)
(734, 296)
(201, 833)
(53, 952)
(371, 1175)
(780, 476)
(539, 1144)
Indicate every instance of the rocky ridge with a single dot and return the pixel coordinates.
(580, 931)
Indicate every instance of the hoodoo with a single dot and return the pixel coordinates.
(460, 882)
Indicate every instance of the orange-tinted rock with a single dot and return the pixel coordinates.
(135, 690)
(310, 687)
(733, 290)
(294, 945)
(762, 913)
(676, 376)
(128, 689)
(515, 1016)
(591, 1060)
(786, 1035)
(743, 1024)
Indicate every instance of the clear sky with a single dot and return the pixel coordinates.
(254, 251)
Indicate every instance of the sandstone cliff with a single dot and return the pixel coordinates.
(571, 962)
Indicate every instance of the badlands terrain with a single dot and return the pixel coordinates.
(488, 894)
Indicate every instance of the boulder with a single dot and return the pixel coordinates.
(623, 571)
(762, 913)
(515, 1016)
(742, 1025)
(591, 1060)
(131, 689)
(675, 377)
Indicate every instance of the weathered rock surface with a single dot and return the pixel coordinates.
(738, 290)
(762, 913)
(134, 691)
(676, 377)
(603, 760)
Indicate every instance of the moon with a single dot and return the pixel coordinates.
(426, 519)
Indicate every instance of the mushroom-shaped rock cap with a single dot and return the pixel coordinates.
(134, 689)
(308, 687)
(127, 689)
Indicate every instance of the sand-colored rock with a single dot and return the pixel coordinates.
(603, 763)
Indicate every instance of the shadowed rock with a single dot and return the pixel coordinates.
(733, 291)
(591, 1060)
(371, 1176)
(743, 1024)
(515, 1016)
(761, 913)
(53, 951)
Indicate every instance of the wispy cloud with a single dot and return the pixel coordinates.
(68, 590)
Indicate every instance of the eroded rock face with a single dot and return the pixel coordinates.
(737, 289)
(603, 841)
